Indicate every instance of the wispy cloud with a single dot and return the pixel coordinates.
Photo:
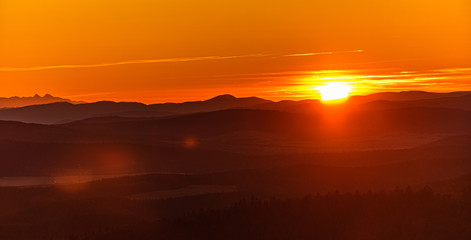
(163, 60)
(321, 53)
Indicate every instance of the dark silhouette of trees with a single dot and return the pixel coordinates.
(40, 213)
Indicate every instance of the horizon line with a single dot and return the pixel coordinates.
(226, 94)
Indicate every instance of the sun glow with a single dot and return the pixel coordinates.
(334, 91)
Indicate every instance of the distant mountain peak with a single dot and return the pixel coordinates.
(16, 102)
(47, 95)
(223, 97)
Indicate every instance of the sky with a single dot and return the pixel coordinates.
(180, 50)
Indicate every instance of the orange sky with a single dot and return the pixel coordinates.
(176, 50)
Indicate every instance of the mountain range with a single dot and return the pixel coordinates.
(227, 133)
(16, 102)
(60, 110)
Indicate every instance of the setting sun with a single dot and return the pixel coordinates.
(334, 91)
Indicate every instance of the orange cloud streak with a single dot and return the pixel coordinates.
(164, 60)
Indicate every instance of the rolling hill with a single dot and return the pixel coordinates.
(61, 112)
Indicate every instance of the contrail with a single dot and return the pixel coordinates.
(321, 53)
(162, 60)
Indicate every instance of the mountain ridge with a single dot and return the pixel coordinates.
(16, 101)
(63, 111)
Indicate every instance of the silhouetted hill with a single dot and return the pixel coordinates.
(287, 174)
(413, 119)
(378, 101)
(195, 142)
(455, 102)
(264, 124)
(15, 102)
(302, 106)
(244, 126)
(65, 112)
(217, 103)
(19, 131)
(459, 140)
(404, 96)
(44, 159)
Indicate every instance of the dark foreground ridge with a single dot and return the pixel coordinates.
(40, 213)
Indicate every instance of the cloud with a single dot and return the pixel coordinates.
(161, 60)
(321, 53)
(299, 84)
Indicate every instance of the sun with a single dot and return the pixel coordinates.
(334, 91)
